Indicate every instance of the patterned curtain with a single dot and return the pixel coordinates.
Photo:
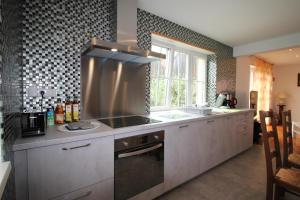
(261, 80)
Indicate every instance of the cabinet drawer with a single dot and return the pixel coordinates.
(60, 169)
(102, 190)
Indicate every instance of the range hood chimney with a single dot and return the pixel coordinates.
(127, 22)
(125, 49)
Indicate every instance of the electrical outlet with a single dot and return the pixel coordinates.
(34, 91)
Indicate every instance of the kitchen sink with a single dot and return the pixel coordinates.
(224, 110)
(175, 115)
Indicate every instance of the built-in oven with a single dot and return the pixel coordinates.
(139, 164)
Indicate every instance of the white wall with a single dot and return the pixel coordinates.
(243, 80)
(286, 81)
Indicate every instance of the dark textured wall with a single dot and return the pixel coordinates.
(221, 66)
(54, 32)
(10, 81)
(11, 48)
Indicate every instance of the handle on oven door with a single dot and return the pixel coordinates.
(134, 153)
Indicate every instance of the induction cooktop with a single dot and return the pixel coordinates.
(119, 122)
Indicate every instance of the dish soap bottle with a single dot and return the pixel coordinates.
(50, 116)
(68, 110)
(59, 113)
(75, 109)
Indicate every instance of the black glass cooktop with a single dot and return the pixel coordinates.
(120, 122)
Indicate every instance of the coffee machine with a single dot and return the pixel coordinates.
(34, 123)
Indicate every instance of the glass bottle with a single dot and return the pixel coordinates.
(68, 110)
(59, 113)
(75, 109)
(50, 116)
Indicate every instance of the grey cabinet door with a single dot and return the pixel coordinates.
(182, 153)
(59, 169)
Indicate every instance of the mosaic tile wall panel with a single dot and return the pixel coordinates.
(221, 66)
(53, 35)
(10, 82)
(53, 39)
(211, 79)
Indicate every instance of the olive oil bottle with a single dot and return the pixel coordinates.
(68, 110)
(75, 109)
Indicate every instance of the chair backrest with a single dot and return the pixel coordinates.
(287, 136)
(268, 137)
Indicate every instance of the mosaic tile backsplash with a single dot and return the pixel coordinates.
(54, 32)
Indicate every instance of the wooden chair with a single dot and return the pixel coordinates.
(290, 159)
(282, 178)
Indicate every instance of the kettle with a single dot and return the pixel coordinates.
(232, 102)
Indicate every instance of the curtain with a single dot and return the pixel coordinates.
(261, 80)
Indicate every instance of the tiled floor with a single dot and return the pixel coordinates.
(241, 178)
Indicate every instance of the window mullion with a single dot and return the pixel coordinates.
(171, 63)
(178, 80)
(157, 88)
(189, 81)
(205, 80)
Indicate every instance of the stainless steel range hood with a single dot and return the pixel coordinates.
(116, 51)
(125, 49)
(113, 74)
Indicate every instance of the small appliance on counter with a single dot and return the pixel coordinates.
(33, 124)
(232, 102)
(225, 99)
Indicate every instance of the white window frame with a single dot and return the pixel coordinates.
(190, 53)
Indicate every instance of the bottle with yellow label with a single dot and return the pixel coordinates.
(75, 109)
(68, 110)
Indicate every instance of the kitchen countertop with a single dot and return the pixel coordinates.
(54, 136)
(5, 168)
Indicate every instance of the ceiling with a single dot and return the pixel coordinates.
(232, 22)
(282, 57)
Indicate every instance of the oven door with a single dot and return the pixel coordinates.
(138, 169)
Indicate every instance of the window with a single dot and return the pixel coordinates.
(179, 80)
(261, 80)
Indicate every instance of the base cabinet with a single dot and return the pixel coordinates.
(245, 130)
(195, 147)
(182, 153)
(102, 190)
(65, 168)
(84, 170)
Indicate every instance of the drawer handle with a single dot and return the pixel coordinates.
(86, 145)
(210, 121)
(84, 195)
(183, 126)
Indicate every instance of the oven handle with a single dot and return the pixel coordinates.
(134, 153)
